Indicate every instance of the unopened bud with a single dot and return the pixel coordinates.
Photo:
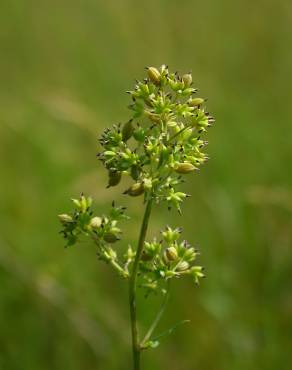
(135, 172)
(182, 266)
(135, 190)
(110, 237)
(146, 256)
(85, 203)
(190, 254)
(196, 101)
(127, 131)
(154, 75)
(95, 222)
(184, 168)
(114, 178)
(152, 116)
(139, 134)
(64, 218)
(170, 254)
(187, 79)
(170, 235)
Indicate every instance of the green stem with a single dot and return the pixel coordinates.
(157, 318)
(136, 349)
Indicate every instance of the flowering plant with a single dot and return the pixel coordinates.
(156, 148)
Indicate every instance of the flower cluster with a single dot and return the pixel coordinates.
(166, 259)
(158, 146)
(162, 141)
(103, 230)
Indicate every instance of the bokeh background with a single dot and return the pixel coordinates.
(64, 68)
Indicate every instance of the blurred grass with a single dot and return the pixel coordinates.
(64, 68)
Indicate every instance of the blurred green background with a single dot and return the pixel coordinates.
(64, 68)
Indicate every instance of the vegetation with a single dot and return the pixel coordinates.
(63, 67)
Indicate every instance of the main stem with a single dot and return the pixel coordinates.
(132, 287)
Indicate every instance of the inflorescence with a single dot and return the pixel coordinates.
(160, 144)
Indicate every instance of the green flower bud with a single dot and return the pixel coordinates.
(190, 254)
(83, 203)
(182, 266)
(114, 178)
(170, 235)
(146, 256)
(135, 190)
(154, 75)
(184, 167)
(169, 274)
(130, 254)
(196, 101)
(170, 254)
(139, 134)
(152, 116)
(95, 222)
(171, 124)
(135, 172)
(64, 218)
(127, 131)
(197, 273)
(189, 91)
(187, 79)
(110, 237)
(109, 153)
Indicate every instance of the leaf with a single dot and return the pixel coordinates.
(169, 331)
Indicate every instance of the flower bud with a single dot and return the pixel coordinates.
(152, 116)
(170, 254)
(135, 190)
(95, 222)
(169, 274)
(190, 254)
(127, 131)
(197, 273)
(187, 79)
(146, 256)
(64, 218)
(196, 101)
(110, 237)
(130, 254)
(139, 134)
(109, 153)
(135, 172)
(85, 203)
(154, 75)
(170, 235)
(182, 266)
(114, 178)
(184, 168)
